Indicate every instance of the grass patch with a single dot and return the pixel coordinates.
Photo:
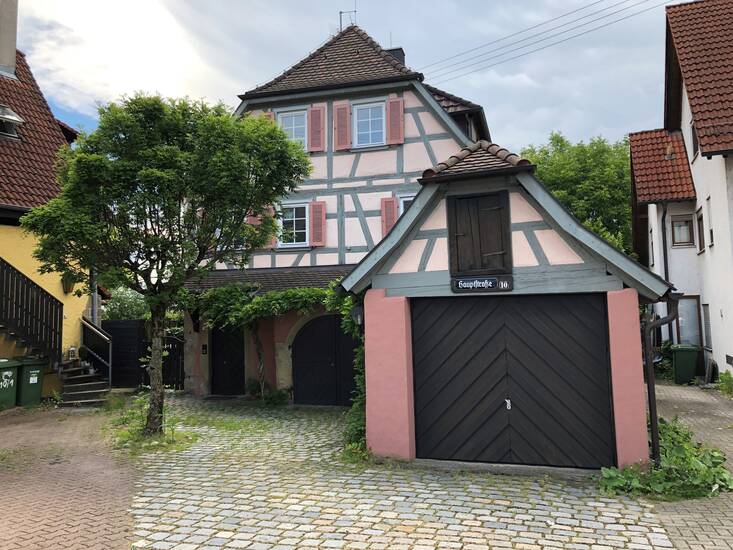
(725, 383)
(687, 469)
(126, 429)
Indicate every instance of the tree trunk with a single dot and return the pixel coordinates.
(154, 423)
(260, 358)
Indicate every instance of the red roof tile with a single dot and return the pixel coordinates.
(350, 57)
(27, 174)
(702, 35)
(479, 157)
(449, 102)
(659, 167)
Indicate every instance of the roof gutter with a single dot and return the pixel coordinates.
(253, 96)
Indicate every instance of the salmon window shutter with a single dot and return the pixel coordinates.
(317, 223)
(269, 115)
(341, 125)
(389, 214)
(317, 128)
(395, 121)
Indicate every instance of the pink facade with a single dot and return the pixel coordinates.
(390, 416)
(629, 405)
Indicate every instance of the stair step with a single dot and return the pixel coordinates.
(86, 386)
(83, 403)
(82, 378)
(84, 395)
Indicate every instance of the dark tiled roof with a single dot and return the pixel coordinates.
(659, 167)
(277, 278)
(350, 57)
(27, 174)
(702, 35)
(449, 102)
(479, 157)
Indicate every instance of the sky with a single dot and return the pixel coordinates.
(608, 82)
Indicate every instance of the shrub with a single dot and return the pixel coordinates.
(355, 430)
(276, 398)
(725, 383)
(687, 469)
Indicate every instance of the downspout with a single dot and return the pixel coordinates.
(649, 327)
(664, 241)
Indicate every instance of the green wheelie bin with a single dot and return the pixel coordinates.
(30, 381)
(684, 362)
(8, 382)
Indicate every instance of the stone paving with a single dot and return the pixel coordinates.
(271, 479)
(701, 524)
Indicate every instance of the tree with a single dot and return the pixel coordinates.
(158, 194)
(125, 303)
(592, 179)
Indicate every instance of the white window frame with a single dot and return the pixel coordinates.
(355, 122)
(280, 243)
(295, 111)
(402, 198)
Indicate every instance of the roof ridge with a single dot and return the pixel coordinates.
(354, 29)
(494, 149)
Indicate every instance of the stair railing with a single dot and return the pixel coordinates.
(30, 312)
(96, 343)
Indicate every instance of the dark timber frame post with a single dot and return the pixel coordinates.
(649, 327)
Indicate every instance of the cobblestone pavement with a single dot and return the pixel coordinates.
(61, 487)
(703, 523)
(271, 479)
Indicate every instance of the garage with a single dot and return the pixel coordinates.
(498, 329)
(520, 380)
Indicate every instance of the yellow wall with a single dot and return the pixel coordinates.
(16, 247)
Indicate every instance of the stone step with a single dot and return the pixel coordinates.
(88, 395)
(83, 403)
(86, 386)
(82, 378)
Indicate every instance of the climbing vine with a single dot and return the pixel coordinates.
(239, 305)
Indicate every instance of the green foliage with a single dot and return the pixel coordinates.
(127, 429)
(125, 303)
(355, 430)
(592, 179)
(355, 453)
(663, 368)
(725, 383)
(276, 398)
(158, 194)
(687, 469)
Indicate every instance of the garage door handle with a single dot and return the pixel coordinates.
(508, 404)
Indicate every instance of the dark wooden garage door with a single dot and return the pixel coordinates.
(521, 379)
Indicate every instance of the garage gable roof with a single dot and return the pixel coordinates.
(633, 274)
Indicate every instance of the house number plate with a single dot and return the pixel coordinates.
(501, 283)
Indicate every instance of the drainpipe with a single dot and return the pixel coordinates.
(649, 327)
(664, 241)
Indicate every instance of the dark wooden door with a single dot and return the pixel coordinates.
(520, 379)
(323, 358)
(227, 361)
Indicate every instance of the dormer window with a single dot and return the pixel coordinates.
(9, 122)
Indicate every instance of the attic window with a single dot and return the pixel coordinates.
(9, 121)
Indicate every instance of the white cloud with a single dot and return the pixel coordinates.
(84, 52)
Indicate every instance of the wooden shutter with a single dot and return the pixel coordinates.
(479, 235)
(269, 115)
(317, 217)
(390, 208)
(395, 121)
(341, 125)
(317, 128)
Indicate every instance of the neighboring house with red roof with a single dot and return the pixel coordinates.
(370, 126)
(38, 315)
(683, 178)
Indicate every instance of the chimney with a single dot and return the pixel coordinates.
(397, 53)
(8, 35)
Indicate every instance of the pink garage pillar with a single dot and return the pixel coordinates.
(627, 378)
(390, 413)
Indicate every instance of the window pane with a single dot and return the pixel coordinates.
(682, 232)
(362, 126)
(300, 211)
(689, 322)
(377, 137)
(300, 225)
(376, 112)
(362, 139)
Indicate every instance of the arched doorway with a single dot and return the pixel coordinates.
(323, 363)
